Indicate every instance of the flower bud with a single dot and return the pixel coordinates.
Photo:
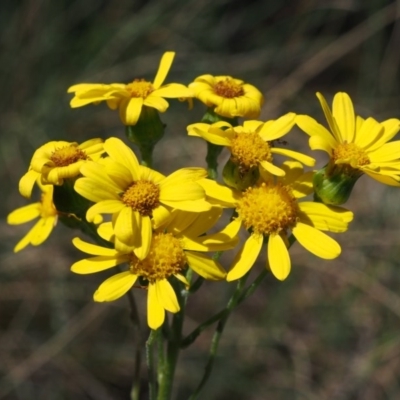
(333, 183)
(237, 178)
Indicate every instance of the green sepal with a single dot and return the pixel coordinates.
(236, 178)
(147, 132)
(333, 184)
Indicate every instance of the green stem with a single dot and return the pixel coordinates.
(147, 155)
(217, 336)
(150, 364)
(189, 339)
(135, 391)
(173, 347)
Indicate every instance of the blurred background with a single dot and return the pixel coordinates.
(332, 329)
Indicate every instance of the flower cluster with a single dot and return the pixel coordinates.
(157, 230)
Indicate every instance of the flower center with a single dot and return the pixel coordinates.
(139, 88)
(166, 257)
(142, 196)
(228, 88)
(68, 155)
(47, 208)
(248, 150)
(268, 209)
(350, 153)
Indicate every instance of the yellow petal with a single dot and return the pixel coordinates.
(343, 113)
(329, 118)
(173, 91)
(161, 215)
(157, 102)
(130, 109)
(26, 183)
(163, 69)
(197, 223)
(155, 311)
(126, 228)
(246, 257)
(318, 143)
(222, 194)
(166, 296)
(104, 207)
(278, 128)
(388, 152)
(205, 266)
(306, 160)
(313, 128)
(278, 257)
(369, 132)
(93, 249)
(42, 229)
(272, 169)
(115, 287)
(387, 180)
(391, 127)
(24, 214)
(146, 235)
(316, 242)
(121, 153)
(97, 264)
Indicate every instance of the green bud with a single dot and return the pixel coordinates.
(147, 132)
(237, 178)
(333, 183)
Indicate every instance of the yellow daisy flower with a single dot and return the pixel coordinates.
(44, 210)
(270, 210)
(173, 246)
(355, 145)
(138, 197)
(252, 144)
(56, 161)
(130, 98)
(231, 97)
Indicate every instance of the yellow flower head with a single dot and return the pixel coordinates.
(173, 246)
(230, 97)
(271, 210)
(56, 161)
(138, 197)
(130, 98)
(44, 210)
(355, 145)
(253, 143)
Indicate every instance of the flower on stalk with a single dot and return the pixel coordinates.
(270, 211)
(138, 198)
(253, 143)
(130, 98)
(56, 161)
(44, 210)
(355, 145)
(229, 97)
(174, 246)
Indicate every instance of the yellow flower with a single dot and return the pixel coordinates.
(230, 97)
(253, 143)
(138, 197)
(44, 210)
(355, 145)
(56, 161)
(130, 98)
(270, 210)
(173, 246)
